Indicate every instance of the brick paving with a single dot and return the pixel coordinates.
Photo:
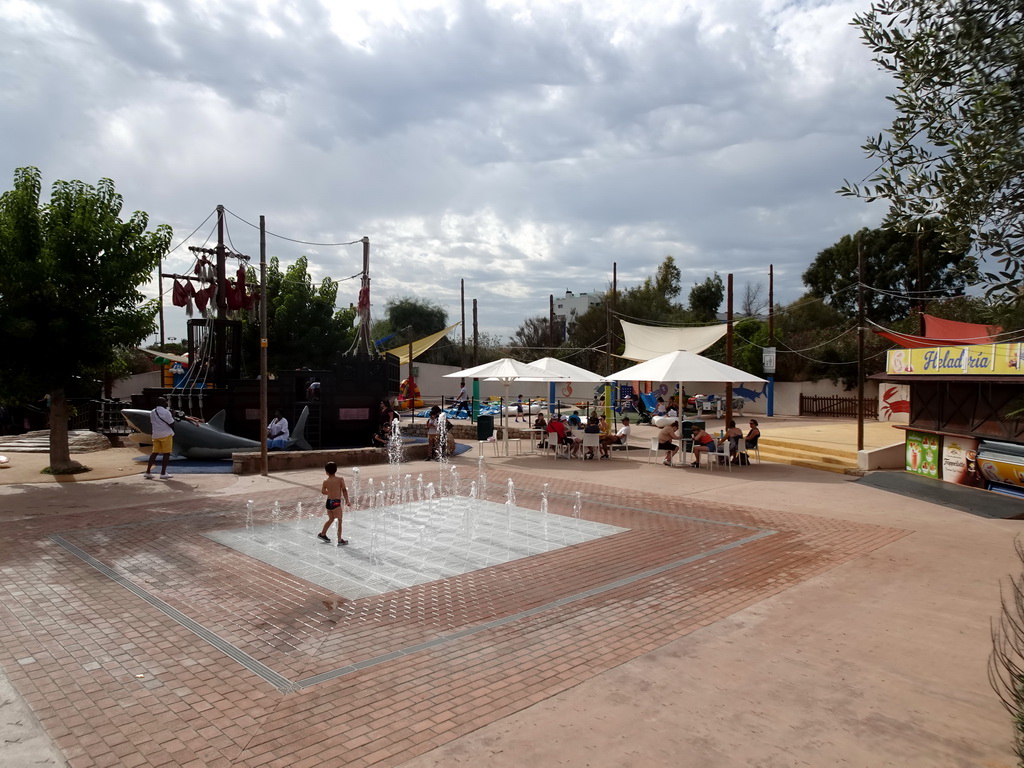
(96, 613)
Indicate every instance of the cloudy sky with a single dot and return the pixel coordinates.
(524, 147)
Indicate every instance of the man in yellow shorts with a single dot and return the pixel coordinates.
(161, 422)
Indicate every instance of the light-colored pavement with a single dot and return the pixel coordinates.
(871, 653)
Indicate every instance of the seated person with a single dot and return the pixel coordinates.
(667, 434)
(575, 421)
(382, 436)
(541, 423)
(659, 408)
(562, 435)
(277, 432)
(619, 438)
(732, 436)
(702, 443)
(593, 428)
(750, 441)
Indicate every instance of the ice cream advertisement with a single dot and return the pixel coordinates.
(923, 454)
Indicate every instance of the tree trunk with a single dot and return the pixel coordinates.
(60, 450)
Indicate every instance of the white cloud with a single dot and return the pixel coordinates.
(524, 147)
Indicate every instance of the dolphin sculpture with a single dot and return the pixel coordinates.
(208, 440)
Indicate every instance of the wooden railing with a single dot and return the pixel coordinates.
(836, 405)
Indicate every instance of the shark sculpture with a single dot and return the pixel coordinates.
(208, 440)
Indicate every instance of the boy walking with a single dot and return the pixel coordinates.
(335, 490)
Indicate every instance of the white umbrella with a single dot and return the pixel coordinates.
(506, 370)
(684, 366)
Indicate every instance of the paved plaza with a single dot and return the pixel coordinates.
(555, 612)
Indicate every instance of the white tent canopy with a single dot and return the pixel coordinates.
(645, 342)
(567, 371)
(506, 370)
(682, 366)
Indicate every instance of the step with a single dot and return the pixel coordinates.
(799, 454)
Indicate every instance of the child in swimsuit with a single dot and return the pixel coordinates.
(335, 490)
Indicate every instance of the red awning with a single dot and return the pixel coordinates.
(945, 333)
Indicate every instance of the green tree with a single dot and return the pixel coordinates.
(303, 327)
(70, 272)
(535, 338)
(706, 298)
(408, 318)
(956, 147)
(898, 269)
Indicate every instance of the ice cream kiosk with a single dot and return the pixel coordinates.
(958, 431)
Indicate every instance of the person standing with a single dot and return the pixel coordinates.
(461, 401)
(277, 433)
(335, 490)
(519, 410)
(161, 429)
(433, 434)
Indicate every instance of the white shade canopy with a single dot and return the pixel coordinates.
(568, 371)
(506, 369)
(684, 366)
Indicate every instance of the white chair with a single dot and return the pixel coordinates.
(654, 451)
(745, 451)
(557, 447)
(591, 440)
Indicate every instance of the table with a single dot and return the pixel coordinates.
(533, 435)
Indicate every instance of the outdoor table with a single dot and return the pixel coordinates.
(534, 435)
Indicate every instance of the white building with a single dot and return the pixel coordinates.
(571, 305)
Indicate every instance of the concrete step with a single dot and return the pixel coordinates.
(823, 458)
(79, 441)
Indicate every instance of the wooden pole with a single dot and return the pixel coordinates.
(462, 303)
(728, 347)
(264, 461)
(860, 346)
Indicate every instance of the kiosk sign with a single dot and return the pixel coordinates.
(973, 360)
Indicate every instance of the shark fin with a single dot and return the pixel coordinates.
(217, 422)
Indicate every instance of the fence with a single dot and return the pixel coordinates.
(98, 416)
(836, 405)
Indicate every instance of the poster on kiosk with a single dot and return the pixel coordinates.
(960, 461)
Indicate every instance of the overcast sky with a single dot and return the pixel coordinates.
(524, 147)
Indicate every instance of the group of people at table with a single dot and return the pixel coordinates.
(567, 431)
(702, 442)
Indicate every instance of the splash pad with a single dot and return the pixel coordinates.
(404, 531)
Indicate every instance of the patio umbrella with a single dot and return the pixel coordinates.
(572, 373)
(506, 370)
(684, 366)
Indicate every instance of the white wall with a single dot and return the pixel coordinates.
(133, 385)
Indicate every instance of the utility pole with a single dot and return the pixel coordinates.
(462, 303)
(264, 462)
(770, 409)
(364, 300)
(728, 347)
(860, 346)
(476, 337)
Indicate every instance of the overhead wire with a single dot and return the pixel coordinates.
(292, 239)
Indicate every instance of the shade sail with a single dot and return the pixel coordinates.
(420, 346)
(645, 342)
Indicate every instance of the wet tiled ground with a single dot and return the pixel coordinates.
(138, 640)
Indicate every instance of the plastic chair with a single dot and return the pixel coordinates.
(745, 451)
(590, 440)
(653, 450)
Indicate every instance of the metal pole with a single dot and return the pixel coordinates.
(264, 461)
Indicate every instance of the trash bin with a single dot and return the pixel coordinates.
(686, 427)
(484, 426)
